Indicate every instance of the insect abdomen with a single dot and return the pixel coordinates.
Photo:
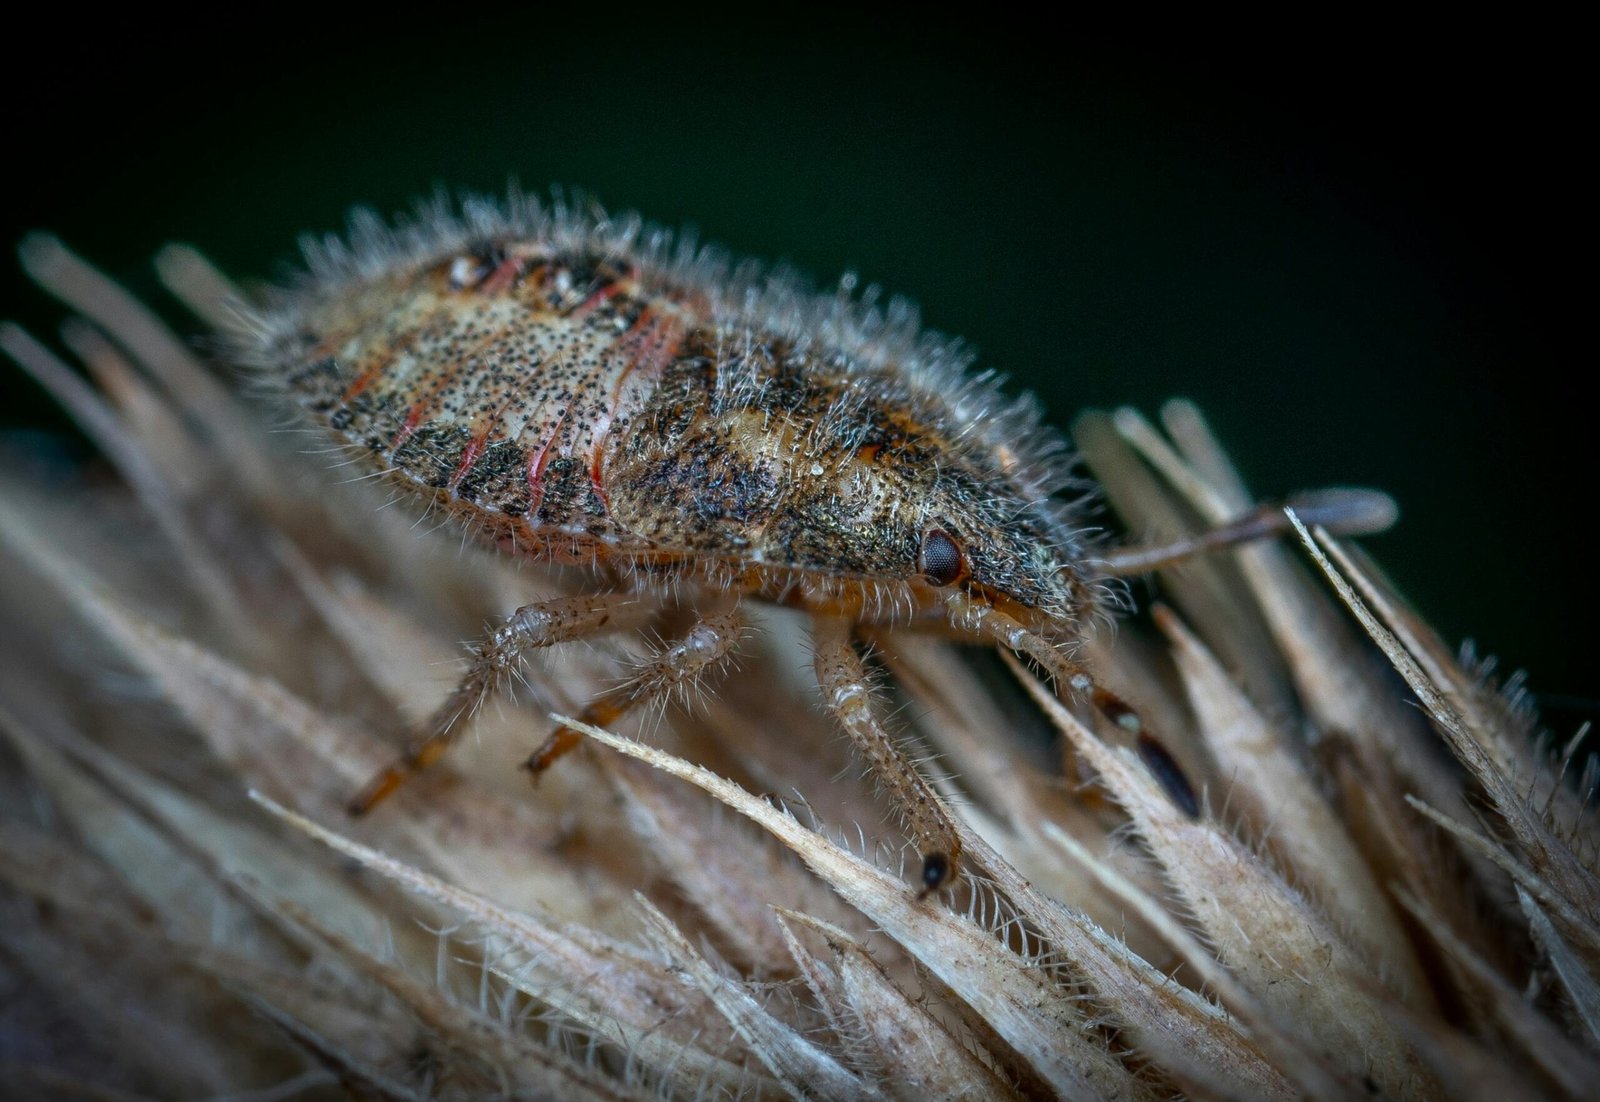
(498, 398)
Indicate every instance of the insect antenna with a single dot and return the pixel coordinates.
(1343, 512)
(1348, 511)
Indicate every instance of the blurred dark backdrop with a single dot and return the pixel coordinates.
(1353, 251)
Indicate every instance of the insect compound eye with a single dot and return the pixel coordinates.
(940, 559)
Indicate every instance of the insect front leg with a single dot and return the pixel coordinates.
(847, 693)
(700, 651)
(983, 621)
(491, 664)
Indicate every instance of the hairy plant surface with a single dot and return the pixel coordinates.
(1390, 887)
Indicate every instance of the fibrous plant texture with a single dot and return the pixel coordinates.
(214, 640)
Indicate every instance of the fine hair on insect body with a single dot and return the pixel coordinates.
(590, 390)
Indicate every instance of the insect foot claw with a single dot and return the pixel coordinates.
(376, 791)
(937, 873)
(562, 740)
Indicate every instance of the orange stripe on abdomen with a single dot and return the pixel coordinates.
(469, 456)
(646, 348)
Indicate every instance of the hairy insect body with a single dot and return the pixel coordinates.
(581, 391)
(576, 405)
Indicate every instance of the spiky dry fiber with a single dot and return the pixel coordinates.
(210, 650)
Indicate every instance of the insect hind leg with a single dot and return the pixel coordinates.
(699, 652)
(491, 663)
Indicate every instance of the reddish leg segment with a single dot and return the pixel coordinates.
(531, 627)
(698, 652)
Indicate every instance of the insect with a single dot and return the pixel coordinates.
(581, 389)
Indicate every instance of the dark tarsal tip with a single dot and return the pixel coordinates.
(1166, 770)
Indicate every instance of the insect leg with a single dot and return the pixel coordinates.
(529, 628)
(700, 650)
(847, 693)
(985, 622)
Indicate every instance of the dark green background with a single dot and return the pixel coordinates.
(1354, 248)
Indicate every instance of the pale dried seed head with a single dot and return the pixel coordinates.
(227, 623)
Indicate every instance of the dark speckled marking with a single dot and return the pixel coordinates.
(497, 480)
(716, 489)
(431, 454)
(568, 497)
(319, 376)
